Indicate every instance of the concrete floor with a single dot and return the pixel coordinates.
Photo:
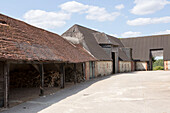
(20, 95)
(137, 92)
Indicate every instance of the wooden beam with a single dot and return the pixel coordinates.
(6, 84)
(41, 69)
(75, 74)
(36, 67)
(62, 76)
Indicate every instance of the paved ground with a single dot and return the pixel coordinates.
(138, 92)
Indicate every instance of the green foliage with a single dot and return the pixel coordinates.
(158, 68)
(153, 59)
(158, 65)
(159, 62)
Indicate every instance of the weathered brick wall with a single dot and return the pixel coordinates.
(166, 65)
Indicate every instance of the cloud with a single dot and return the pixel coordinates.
(162, 32)
(92, 12)
(52, 20)
(73, 7)
(47, 20)
(130, 34)
(119, 7)
(143, 7)
(100, 14)
(146, 21)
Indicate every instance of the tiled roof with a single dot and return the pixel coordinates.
(21, 41)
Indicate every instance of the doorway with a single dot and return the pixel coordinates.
(156, 59)
(113, 58)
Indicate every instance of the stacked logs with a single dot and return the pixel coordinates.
(51, 79)
(70, 73)
(28, 79)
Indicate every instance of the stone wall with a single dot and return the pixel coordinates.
(125, 66)
(103, 68)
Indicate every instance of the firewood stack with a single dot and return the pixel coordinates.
(52, 79)
(70, 75)
(80, 77)
(28, 79)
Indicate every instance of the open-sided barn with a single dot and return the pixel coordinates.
(29, 54)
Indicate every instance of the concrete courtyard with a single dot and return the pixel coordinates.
(136, 92)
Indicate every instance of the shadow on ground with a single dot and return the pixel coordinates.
(38, 104)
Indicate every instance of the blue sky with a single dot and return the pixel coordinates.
(121, 18)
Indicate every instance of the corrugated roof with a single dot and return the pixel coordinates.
(21, 41)
(141, 46)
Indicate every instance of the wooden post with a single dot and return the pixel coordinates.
(75, 74)
(41, 69)
(62, 76)
(84, 71)
(6, 84)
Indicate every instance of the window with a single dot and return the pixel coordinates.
(2, 22)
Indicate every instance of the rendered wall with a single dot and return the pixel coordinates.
(166, 65)
(125, 66)
(141, 66)
(103, 68)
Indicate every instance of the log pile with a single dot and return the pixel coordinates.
(70, 75)
(28, 79)
(80, 77)
(51, 79)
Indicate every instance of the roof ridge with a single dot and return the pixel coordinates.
(145, 36)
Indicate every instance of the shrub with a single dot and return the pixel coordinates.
(158, 68)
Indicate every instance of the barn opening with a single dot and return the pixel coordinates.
(156, 59)
(113, 58)
(26, 82)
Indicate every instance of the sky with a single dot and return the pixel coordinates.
(120, 18)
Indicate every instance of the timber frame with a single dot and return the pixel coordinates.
(38, 66)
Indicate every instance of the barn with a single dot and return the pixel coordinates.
(147, 47)
(112, 56)
(35, 62)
